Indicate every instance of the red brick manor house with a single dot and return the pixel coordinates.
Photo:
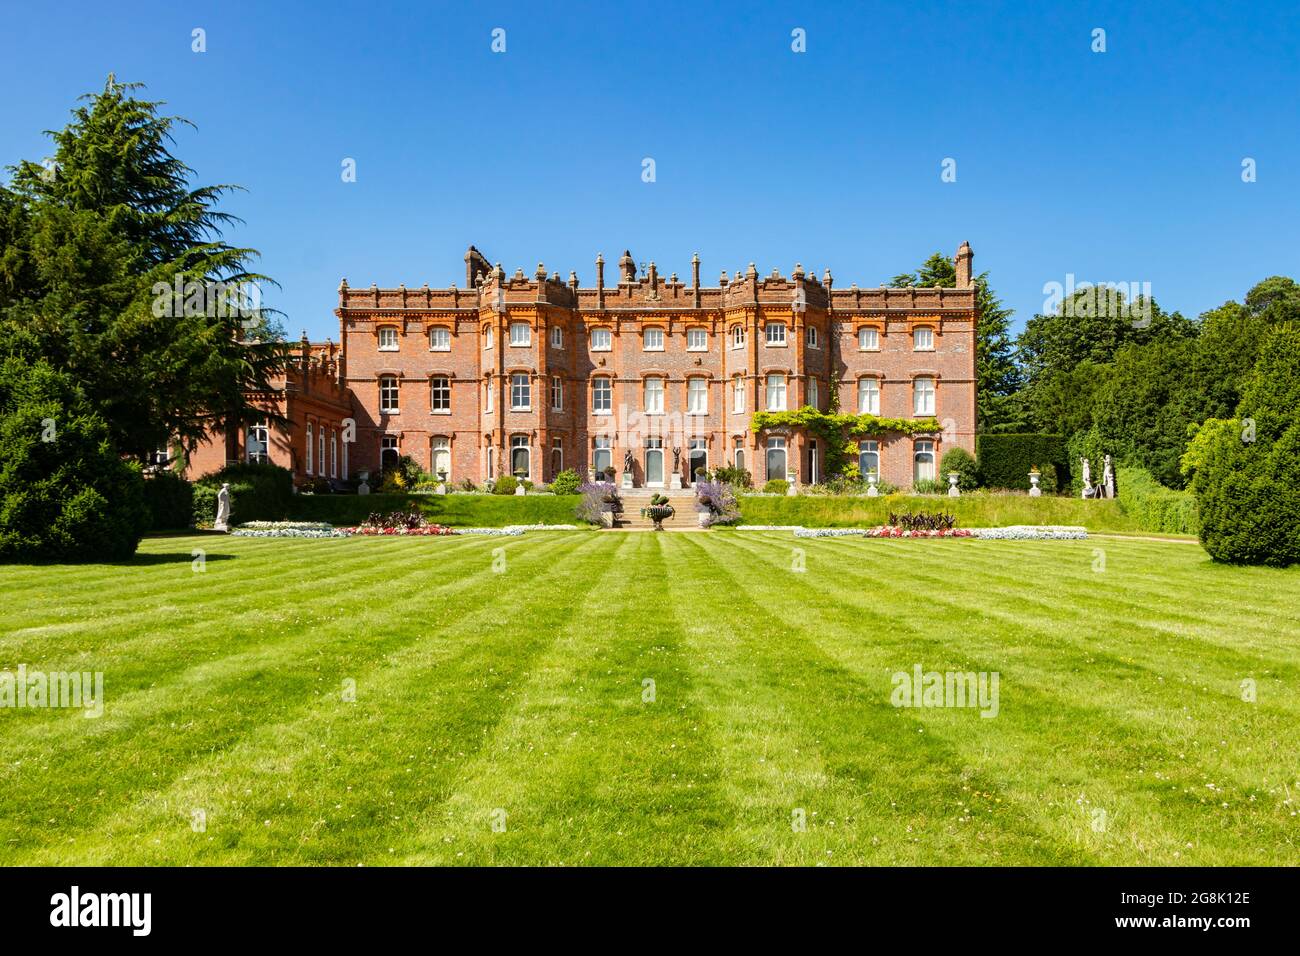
(535, 374)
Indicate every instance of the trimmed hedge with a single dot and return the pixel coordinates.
(257, 493)
(170, 500)
(1153, 506)
(463, 511)
(1005, 460)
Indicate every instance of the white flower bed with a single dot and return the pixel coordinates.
(828, 532)
(492, 532)
(771, 527)
(286, 529)
(1029, 532)
(542, 527)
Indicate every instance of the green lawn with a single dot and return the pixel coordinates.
(521, 693)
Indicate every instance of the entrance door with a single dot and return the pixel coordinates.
(654, 462)
(699, 458)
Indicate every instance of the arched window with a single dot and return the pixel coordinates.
(868, 458)
(520, 459)
(387, 452)
(776, 460)
(309, 449)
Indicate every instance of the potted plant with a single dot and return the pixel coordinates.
(659, 511)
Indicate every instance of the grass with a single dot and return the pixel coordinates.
(973, 510)
(457, 510)
(523, 694)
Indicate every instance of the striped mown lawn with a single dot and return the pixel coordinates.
(621, 698)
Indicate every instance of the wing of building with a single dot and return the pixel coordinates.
(530, 375)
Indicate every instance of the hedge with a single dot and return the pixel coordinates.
(1005, 460)
(457, 510)
(1155, 507)
(170, 500)
(257, 493)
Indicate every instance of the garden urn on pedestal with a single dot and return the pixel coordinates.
(1034, 490)
(872, 490)
(790, 480)
(363, 488)
(953, 490)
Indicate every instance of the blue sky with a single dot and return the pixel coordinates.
(1123, 166)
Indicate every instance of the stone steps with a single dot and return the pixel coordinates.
(682, 501)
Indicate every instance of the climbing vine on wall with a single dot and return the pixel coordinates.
(838, 431)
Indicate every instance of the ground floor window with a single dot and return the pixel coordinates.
(776, 461)
(738, 454)
(387, 452)
(520, 464)
(334, 453)
(440, 457)
(602, 456)
(654, 461)
(557, 457)
(699, 457)
(923, 456)
(310, 439)
(868, 458)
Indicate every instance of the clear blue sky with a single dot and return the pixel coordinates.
(1118, 166)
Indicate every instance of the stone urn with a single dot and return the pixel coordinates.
(793, 489)
(519, 486)
(872, 480)
(953, 490)
(1034, 490)
(706, 519)
(363, 488)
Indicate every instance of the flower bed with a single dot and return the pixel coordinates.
(826, 532)
(894, 531)
(287, 529)
(1028, 532)
(428, 530)
(510, 532)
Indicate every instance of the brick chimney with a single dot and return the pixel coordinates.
(965, 275)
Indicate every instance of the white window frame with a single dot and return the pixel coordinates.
(436, 444)
(738, 394)
(396, 389)
(737, 336)
(697, 395)
(601, 443)
(521, 335)
(385, 332)
(868, 446)
(309, 463)
(488, 389)
(927, 338)
(775, 335)
(557, 337)
(868, 339)
(656, 407)
(810, 336)
(487, 337)
(923, 395)
(652, 340)
(521, 384)
(602, 340)
(775, 392)
(434, 389)
(597, 393)
(814, 396)
(517, 442)
(922, 450)
(334, 453)
(557, 393)
(868, 395)
(692, 335)
(441, 332)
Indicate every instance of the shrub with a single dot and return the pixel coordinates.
(597, 497)
(566, 482)
(776, 486)
(257, 493)
(923, 520)
(170, 500)
(736, 477)
(65, 492)
(505, 485)
(466, 484)
(1003, 461)
(929, 486)
(962, 462)
(1155, 507)
(718, 500)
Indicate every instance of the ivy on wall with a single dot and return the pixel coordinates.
(839, 430)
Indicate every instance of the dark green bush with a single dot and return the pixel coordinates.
(962, 462)
(566, 483)
(736, 477)
(1155, 507)
(257, 493)
(65, 492)
(1004, 460)
(170, 500)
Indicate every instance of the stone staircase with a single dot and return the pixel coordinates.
(634, 499)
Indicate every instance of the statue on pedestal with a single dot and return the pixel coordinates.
(627, 462)
(677, 460)
(1087, 478)
(223, 509)
(1108, 479)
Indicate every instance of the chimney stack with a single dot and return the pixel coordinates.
(964, 260)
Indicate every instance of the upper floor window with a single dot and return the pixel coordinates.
(439, 394)
(488, 388)
(923, 396)
(387, 339)
(521, 392)
(697, 396)
(697, 340)
(602, 396)
(388, 393)
(653, 340)
(521, 333)
(810, 336)
(868, 339)
(737, 336)
(813, 398)
(557, 392)
(868, 396)
(487, 337)
(776, 392)
(557, 337)
(654, 396)
(775, 333)
(439, 340)
(923, 338)
(738, 394)
(601, 340)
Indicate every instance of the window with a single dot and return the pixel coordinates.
(320, 450)
(602, 396)
(868, 396)
(520, 334)
(923, 396)
(440, 457)
(775, 334)
(603, 456)
(387, 339)
(309, 455)
(557, 392)
(923, 458)
(652, 340)
(813, 398)
(776, 392)
(334, 453)
(440, 340)
(557, 337)
(387, 452)
(738, 453)
(810, 336)
(738, 394)
(601, 340)
(487, 337)
(737, 336)
(557, 457)
(343, 468)
(388, 393)
(776, 463)
(488, 390)
(697, 396)
(654, 396)
(868, 458)
(521, 392)
(697, 340)
(923, 339)
(520, 465)
(868, 339)
(439, 395)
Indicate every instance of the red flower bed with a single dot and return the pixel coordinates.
(429, 529)
(893, 531)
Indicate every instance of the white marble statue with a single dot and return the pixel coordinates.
(1108, 478)
(223, 509)
(1087, 478)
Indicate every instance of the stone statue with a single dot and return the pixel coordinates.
(1108, 479)
(1087, 478)
(223, 509)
